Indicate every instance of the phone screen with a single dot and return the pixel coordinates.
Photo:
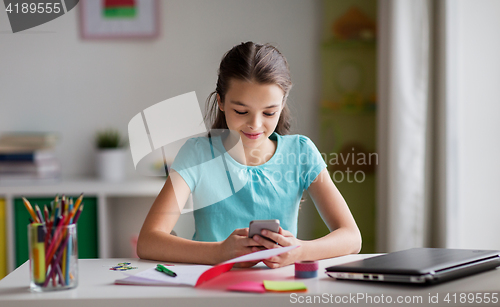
(256, 226)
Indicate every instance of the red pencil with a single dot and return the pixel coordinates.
(53, 246)
(77, 215)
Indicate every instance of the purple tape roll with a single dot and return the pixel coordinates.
(306, 269)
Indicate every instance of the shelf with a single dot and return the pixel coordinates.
(121, 209)
(136, 187)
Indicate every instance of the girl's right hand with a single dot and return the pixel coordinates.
(238, 244)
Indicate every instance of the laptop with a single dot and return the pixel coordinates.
(418, 266)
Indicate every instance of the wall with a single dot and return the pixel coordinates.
(479, 109)
(52, 80)
(348, 109)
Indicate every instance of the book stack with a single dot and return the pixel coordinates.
(28, 156)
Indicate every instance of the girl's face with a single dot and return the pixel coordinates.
(252, 110)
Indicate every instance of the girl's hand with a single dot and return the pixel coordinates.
(238, 244)
(282, 238)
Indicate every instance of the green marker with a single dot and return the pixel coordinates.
(163, 269)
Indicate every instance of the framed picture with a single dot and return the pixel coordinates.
(109, 19)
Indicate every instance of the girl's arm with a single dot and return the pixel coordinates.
(343, 239)
(156, 243)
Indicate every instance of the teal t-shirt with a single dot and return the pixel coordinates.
(228, 195)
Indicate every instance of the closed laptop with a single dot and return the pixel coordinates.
(418, 265)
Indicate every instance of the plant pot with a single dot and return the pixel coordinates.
(111, 164)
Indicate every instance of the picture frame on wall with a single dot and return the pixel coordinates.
(119, 19)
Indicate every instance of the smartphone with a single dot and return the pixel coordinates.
(256, 227)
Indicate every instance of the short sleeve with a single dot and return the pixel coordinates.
(311, 161)
(188, 156)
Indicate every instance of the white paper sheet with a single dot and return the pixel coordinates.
(188, 275)
(261, 255)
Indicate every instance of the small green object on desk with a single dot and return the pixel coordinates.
(284, 286)
(163, 269)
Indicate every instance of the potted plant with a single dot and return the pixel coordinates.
(110, 155)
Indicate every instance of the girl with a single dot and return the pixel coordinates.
(252, 170)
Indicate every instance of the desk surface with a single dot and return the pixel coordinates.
(96, 288)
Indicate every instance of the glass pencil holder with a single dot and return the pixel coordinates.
(53, 257)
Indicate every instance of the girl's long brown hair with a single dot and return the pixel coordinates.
(251, 62)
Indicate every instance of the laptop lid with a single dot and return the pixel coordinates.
(420, 265)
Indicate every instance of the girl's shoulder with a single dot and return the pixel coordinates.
(294, 137)
(194, 151)
(299, 149)
(200, 142)
(297, 141)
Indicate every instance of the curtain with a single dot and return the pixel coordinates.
(404, 119)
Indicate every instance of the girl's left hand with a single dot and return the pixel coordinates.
(282, 238)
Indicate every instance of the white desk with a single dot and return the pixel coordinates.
(96, 288)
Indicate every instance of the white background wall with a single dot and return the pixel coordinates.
(479, 141)
(52, 80)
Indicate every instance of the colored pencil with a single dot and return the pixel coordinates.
(55, 241)
(67, 249)
(54, 207)
(46, 214)
(77, 215)
(77, 203)
(39, 214)
(30, 210)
